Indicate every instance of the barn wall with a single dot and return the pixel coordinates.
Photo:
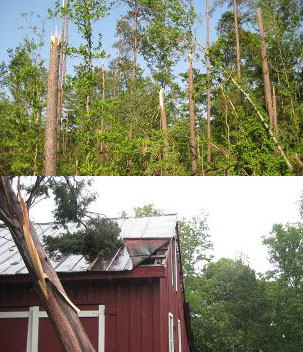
(132, 315)
(172, 301)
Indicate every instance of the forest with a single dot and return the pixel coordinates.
(237, 108)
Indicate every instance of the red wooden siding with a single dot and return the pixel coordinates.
(131, 314)
(172, 302)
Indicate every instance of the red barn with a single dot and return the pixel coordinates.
(132, 301)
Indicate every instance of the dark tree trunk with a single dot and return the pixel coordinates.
(60, 310)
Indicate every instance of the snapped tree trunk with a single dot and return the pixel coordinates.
(208, 86)
(61, 311)
(266, 78)
(50, 153)
(163, 124)
(192, 134)
(237, 38)
(62, 72)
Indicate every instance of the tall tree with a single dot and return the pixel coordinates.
(52, 106)
(208, 85)
(235, 4)
(62, 71)
(265, 69)
(192, 133)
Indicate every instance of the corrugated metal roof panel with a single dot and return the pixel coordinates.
(153, 227)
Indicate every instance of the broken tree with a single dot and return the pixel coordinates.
(50, 144)
(61, 311)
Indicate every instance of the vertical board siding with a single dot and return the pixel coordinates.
(172, 302)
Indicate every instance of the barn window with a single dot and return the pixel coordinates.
(179, 336)
(174, 265)
(171, 347)
(34, 315)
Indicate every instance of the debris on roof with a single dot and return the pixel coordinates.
(145, 239)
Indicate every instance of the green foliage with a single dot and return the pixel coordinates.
(99, 237)
(228, 307)
(195, 244)
(147, 210)
(72, 198)
(111, 121)
(286, 252)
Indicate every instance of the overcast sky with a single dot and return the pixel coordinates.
(240, 209)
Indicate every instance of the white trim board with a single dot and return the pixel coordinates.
(34, 314)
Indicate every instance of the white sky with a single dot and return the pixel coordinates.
(241, 209)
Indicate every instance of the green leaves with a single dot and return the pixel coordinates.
(100, 237)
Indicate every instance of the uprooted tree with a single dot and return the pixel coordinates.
(72, 198)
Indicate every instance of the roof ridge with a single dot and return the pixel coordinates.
(117, 218)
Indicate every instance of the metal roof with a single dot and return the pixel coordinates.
(143, 237)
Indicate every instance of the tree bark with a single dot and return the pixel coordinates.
(192, 134)
(163, 123)
(61, 311)
(50, 153)
(266, 78)
(208, 86)
(237, 38)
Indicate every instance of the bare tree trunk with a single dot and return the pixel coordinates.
(208, 86)
(266, 78)
(62, 73)
(192, 134)
(237, 38)
(163, 123)
(61, 311)
(135, 54)
(275, 116)
(50, 144)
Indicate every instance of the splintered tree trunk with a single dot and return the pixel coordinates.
(62, 72)
(237, 38)
(208, 86)
(135, 54)
(266, 78)
(50, 153)
(61, 311)
(192, 134)
(163, 123)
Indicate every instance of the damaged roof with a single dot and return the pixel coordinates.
(146, 240)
